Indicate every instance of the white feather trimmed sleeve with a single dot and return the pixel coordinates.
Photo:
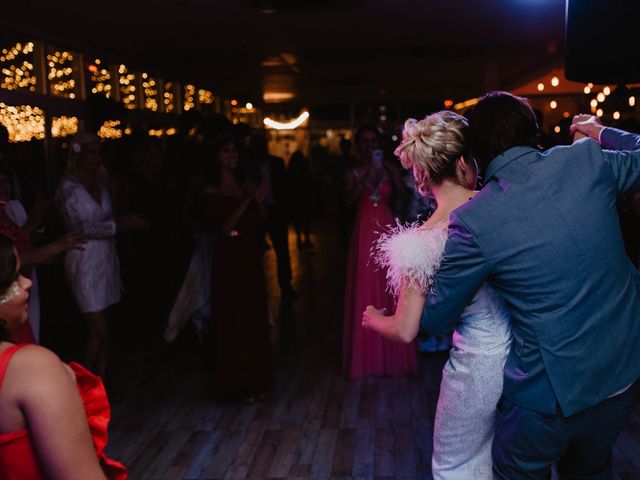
(411, 256)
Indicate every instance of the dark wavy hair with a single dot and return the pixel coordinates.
(8, 265)
(210, 167)
(498, 122)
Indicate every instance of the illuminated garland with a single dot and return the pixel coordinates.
(110, 129)
(100, 78)
(150, 90)
(205, 97)
(61, 82)
(169, 97)
(189, 97)
(160, 132)
(64, 126)
(18, 73)
(23, 122)
(127, 87)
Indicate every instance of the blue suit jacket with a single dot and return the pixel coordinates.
(544, 233)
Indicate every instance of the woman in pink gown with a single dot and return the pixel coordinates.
(372, 187)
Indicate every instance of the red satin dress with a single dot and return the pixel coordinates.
(18, 459)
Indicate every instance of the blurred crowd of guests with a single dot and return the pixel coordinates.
(155, 236)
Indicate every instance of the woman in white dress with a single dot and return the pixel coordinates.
(472, 377)
(93, 273)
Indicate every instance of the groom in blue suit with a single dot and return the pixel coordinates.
(544, 233)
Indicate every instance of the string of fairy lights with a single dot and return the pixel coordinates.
(150, 91)
(127, 87)
(60, 74)
(18, 67)
(110, 129)
(598, 98)
(100, 78)
(205, 97)
(64, 126)
(24, 122)
(189, 97)
(168, 97)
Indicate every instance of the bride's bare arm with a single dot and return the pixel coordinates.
(404, 324)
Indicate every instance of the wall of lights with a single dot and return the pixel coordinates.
(39, 67)
(17, 67)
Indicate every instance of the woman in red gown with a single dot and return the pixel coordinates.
(372, 186)
(53, 417)
(241, 358)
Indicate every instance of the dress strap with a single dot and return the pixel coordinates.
(5, 357)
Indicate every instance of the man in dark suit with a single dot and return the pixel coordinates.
(275, 179)
(544, 233)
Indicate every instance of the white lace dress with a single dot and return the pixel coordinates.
(94, 273)
(472, 377)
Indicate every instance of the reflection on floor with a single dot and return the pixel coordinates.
(315, 424)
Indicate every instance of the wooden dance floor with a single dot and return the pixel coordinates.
(315, 424)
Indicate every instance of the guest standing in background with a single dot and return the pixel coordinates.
(301, 191)
(15, 225)
(373, 186)
(275, 179)
(228, 206)
(93, 274)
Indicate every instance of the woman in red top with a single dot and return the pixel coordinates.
(45, 432)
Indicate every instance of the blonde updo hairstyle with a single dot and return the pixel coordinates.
(432, 146)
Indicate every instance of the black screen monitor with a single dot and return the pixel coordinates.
(603, 41)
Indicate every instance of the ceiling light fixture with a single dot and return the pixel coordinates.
(291, 125)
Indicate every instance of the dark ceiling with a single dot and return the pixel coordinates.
(322, 51)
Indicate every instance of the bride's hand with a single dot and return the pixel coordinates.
(371, 313)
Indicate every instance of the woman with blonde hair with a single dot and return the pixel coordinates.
(435, 149)
(93, 274)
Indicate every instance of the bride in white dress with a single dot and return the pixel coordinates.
(472, 377)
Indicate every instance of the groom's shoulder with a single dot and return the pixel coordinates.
(579, 150)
